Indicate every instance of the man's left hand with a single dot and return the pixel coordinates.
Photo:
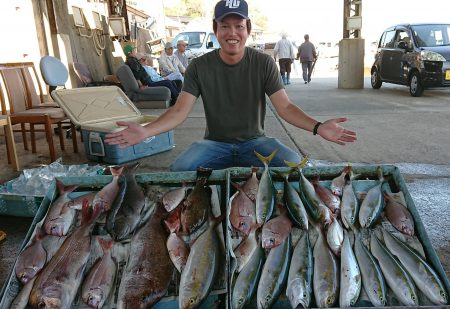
(333, 132)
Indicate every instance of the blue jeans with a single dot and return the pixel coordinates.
(220, 155)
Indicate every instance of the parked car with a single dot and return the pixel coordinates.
(416, 55)
(198, 42)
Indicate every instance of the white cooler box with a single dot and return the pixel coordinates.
(96, 110)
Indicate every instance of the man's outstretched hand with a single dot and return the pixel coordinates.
(333, 132)
(132, 135)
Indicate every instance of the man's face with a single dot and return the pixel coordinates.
(169, 51)
(181, 47)
(232, 34)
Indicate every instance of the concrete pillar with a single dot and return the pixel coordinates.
(351, 64)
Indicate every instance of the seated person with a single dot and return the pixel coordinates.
(142, 76)
(169, 63)
(147, 62)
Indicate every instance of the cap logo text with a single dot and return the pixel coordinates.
(232, 4)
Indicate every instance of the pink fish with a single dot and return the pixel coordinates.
(242, 212)
(250, 187)
(337, 184)
(276, 230)
(60, 216)
(399, 216)
(58, 283)
(328, 198)
(32, 259)
(174, 197)
(99, 282)
(106, 196)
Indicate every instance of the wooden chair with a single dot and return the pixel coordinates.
(17, 92)
(10, 145)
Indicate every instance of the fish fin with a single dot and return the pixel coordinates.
(255, 169)
(89, 215)
(299, 165)
(268, 159)
(203, 172)
(62, 189)
(172, 222)
(116, 170)
(106, 244)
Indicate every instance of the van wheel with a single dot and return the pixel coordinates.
(415, 85)
(375, 79)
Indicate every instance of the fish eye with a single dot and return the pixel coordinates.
(191, 301)
(241, 301)
(268, 297)
(41, 305)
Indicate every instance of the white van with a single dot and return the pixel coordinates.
(198, 42)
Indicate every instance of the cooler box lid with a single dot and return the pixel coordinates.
(95, 104)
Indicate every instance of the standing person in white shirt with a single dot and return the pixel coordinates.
(285, 52)
(180, 53)
(169, 63)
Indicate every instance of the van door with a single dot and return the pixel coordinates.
(387, 51)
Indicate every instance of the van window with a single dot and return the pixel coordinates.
(402, 36)
(212, 40)
(388, 39)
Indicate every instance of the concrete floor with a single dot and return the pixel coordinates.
(393, 128)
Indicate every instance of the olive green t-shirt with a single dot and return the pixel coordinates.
(233, 95)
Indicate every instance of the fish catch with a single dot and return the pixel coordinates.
(57, 284)
(395, 274)
(399, 216)
(337, 184)
(128, 215)
(178, 250)
(373, 203)
(265, 197)
(98, 284)
(242, 212)
(250, 187)
(201, 268)
(328, 198)
(274, 275)
(148, 271)
(106, 196)
(275, 231)
(350, 275)
(171, 199)
(294, 204)
(32, 259)
(300, 279)
(349, 203)
(247, 281)
(197, 204)
(60, 216)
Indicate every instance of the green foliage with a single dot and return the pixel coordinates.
(190, 8)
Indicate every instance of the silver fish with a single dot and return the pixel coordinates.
(21, 300)
(300, 279)
(246, 248)
(395, 274)
(335, 236)
(60, 216)
(58, 283)
(247, 281)
(274, 274)
(201, 268)
(98, 284)
(426, 279)
(265, 197)
(373, 203)
(349, 203)
(294, 204)
(350, 276)
(326, 274)
(372, 277)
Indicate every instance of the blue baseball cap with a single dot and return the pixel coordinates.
(228, 7)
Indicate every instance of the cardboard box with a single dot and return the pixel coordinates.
(96, 110)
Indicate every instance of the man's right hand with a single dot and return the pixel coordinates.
(132, 135)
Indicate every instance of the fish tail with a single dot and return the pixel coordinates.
(315, 179)
(268, 159)
(203, 172)
(285, 174)
(299, 165)
(62, 189)
(89, 215)
(116, 170)
(255, 169)
(106, 244)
